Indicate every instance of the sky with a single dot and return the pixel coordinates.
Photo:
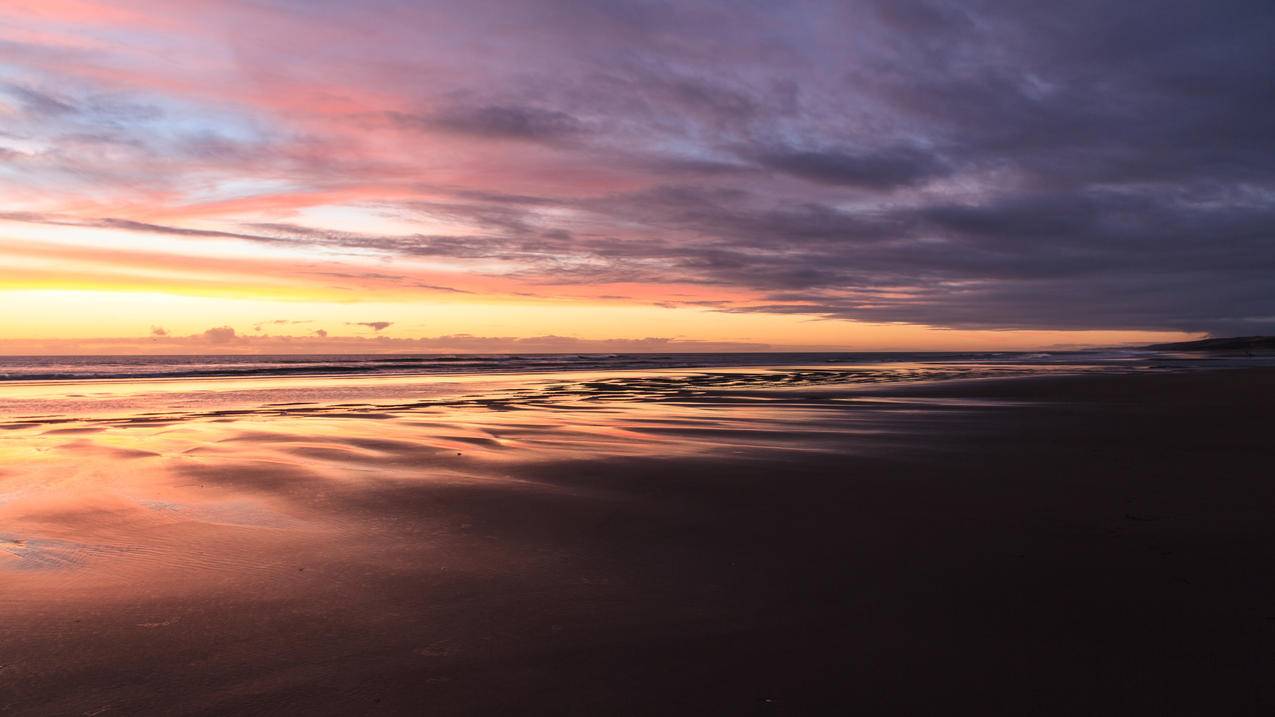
(229, 175)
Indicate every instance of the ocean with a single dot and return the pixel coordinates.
(80, 368)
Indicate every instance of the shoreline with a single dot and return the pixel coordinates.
(87, 399)
(52, 370)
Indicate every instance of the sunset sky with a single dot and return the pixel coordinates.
(229, 175)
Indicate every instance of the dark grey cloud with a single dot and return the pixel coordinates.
(1084, 165)
(508, 121)
(876, 169)
(145, 227)
(373, 325)
(1089, 92)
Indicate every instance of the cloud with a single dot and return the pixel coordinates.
(134, 226)
(36, 102)
(498, 122)
(437, 287)
(280, 322)
(221, 335)
(159, 331)
(887, 168)
(373, 325)
(974, 164)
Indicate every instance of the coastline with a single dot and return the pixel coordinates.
(1053, 545)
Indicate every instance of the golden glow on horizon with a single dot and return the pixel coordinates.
(60, 314)
(67, 284)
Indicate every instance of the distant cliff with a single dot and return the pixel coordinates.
(1235, 343)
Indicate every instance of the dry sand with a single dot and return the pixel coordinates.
(649, 544)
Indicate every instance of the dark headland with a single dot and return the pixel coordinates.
(1233, 343)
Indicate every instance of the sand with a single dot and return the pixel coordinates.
(999, 542)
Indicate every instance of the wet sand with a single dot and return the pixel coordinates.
(734, 543)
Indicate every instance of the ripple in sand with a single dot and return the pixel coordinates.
(46, 554)
(82, 447)
(241, 513)
(68, 431)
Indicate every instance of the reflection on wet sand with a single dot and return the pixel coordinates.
(132, 487)
(401, 544)
(160, 402)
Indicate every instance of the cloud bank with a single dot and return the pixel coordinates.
(973, 164)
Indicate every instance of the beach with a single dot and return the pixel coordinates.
(898, 539)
